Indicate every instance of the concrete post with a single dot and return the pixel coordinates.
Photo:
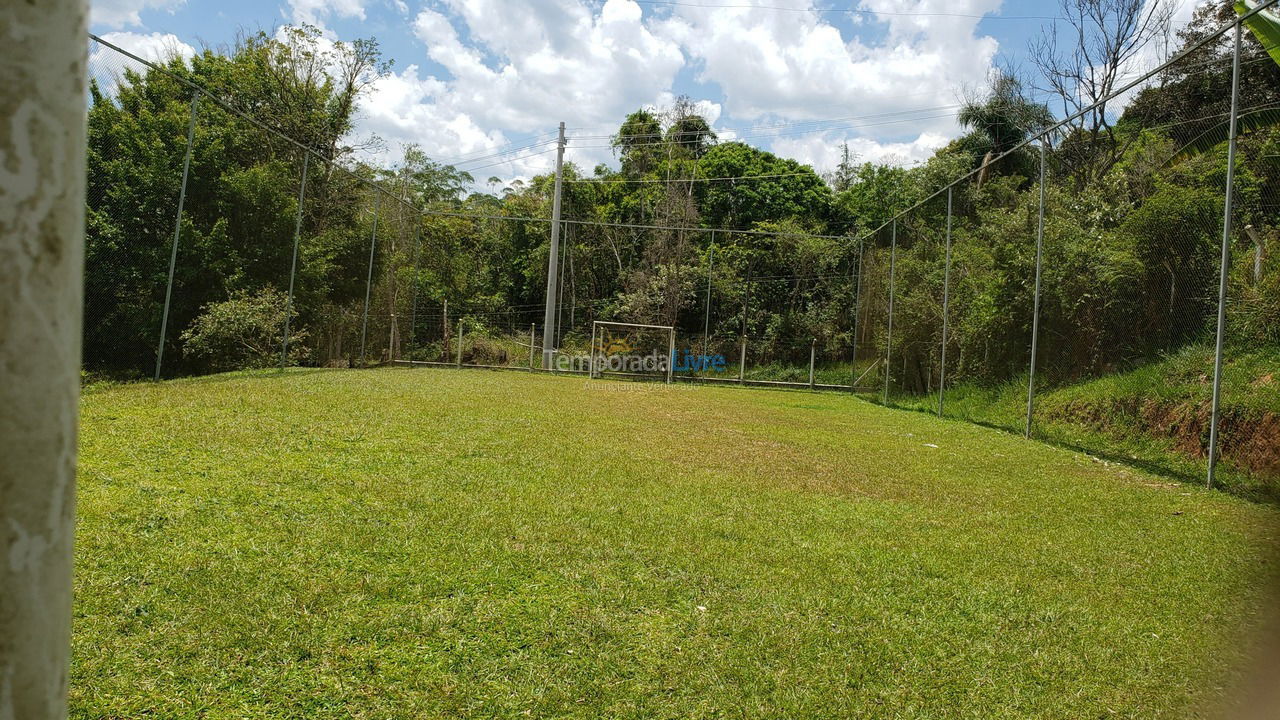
(42, 192)
(549, 320)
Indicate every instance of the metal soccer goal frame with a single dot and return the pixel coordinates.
(671, 343)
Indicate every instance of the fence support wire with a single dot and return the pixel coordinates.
(177, 229)
(946, 298)
(293, 266)
(888, 340)
(368, 285)
(1035, 312)
(1225, 262)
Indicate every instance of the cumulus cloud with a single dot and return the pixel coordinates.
(822, 152)
(157, 47)
(797, 65)
(315, 12)
(404, 107)
(106, 65)
(126, 13)
(587, 64)
(545, 62)
(551, 61)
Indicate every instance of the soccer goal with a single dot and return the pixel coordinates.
(632, 350)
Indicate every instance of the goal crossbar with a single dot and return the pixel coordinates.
(670, 330)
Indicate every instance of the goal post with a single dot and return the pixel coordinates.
(632, 349)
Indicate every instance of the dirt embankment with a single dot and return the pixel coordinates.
(1250, 439)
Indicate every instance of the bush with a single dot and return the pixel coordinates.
(244, 331)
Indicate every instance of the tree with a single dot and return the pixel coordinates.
(1003, 119)
(769, 188)
(688, 130)
(1193, 97)
(241, 196)
(244, 331)
(637, 142)
(846, 172)
(1105, 40)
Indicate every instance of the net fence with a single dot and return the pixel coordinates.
(220, 239)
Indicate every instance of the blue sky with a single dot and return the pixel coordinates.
(474, 81)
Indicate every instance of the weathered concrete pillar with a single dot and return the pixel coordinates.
(43, 49)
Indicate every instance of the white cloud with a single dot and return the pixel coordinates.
(796, 65)
(157, 47)
(404, 107)
(822, 152)
(545, 62)
(589, 65)
(551, 61)
(107, 65)
(315, 12)
(125, 13)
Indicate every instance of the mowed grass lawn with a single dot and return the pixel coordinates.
(459, 543)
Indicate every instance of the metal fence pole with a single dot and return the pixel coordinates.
(813, 350)
(393, 324)
(461, 331)
(293, 266)
(671, 355)
(1035, 313)
(1214, 417)
(591, 369)
(857, 308)
(368, 287)
(177, 230)
(742, 357)
(888, 345)
(413, 306)
(946, 304)
(706, 317)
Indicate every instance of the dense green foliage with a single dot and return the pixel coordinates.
(1130, 258)
(245, 331)
(397, 543)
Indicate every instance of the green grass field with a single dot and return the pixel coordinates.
(437, 543)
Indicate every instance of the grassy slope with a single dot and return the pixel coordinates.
(1103, 416)
(439, 543)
